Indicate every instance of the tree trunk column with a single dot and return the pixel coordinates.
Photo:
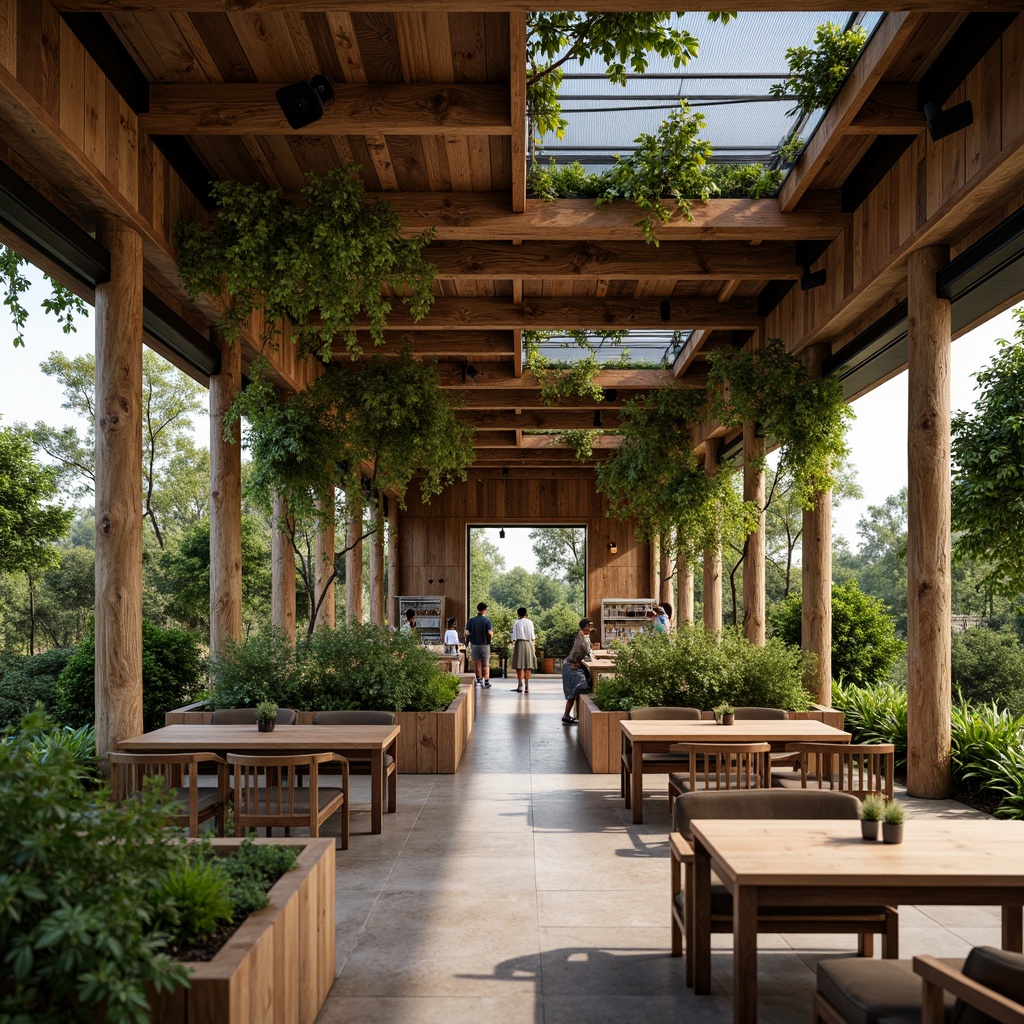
(323, 556)
(282, 556)
(685, 611)
(928, 530)
(816, 568)
(354, 558)
(377, 565)
(712, 556)
(393, 567)
(118, 613)
(665, 569)
(753, 562)
(225, 504)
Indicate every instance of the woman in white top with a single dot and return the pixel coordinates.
(524, 654)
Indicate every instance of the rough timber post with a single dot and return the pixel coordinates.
(928, 529)
(118, 613)
(685, 574)
(354, 557)
(393, 567)
(377, 566)
(753, 563)
(323, 556)
(816, 569)
(712, 556)
(282, 555)
(665, 569)
(225, 504)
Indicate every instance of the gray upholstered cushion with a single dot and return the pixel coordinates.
(665, 714)
(759, 714)
(872, 991)
(354, 718)
(997, 969)
(762, 803)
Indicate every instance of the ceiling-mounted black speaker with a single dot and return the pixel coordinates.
(303, 102)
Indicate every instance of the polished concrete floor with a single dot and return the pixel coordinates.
(517, 891)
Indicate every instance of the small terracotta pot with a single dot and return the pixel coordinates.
(869, 829)
(892, 833)
(265, 725)
(728, 718)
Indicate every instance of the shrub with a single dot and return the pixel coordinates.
(33, 681)
(75, 748)
(75, 934)
(172, 671)
(262, 667)
(864, 641)
(988, 666)
(693, 668)
(252, 871)
(192, 899)
(558, 627)
(875, 714)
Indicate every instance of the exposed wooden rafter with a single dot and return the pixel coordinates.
(539, 419)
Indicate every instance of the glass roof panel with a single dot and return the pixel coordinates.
(727, 82)
(659, 348)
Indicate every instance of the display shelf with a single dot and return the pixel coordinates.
(623, 617)
(430, 617)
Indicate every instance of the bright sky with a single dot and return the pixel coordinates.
(877, 438)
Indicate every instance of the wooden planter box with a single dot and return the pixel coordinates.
(600, 737)
(279, 966)
(430, 743)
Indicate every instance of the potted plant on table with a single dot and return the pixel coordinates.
(892, 822)
(724, 714)
(871, 810)
(266, 716)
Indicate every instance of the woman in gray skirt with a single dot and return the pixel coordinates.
(575, 677)
(524, 652)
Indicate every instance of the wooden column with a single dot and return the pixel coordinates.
(753, 563)
(816, 568)
(225, 504)
(282, 556)
(712, 556)
(684, 613)
(377, 566)
(354, 558)
(652, 568)
(323, 556)
(928, 529)
(665, 570)
(393, 566)
(118, 612)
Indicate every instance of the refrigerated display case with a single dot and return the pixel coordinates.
(623, 617)
(429, 617)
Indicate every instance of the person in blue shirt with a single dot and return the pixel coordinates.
(479, 631)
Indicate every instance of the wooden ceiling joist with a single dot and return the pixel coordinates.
(583, 314)
(252, 109)
(500, 376)
(683, 261)
(553, 457)
(539, 419)
(511, 399)
(427, 344)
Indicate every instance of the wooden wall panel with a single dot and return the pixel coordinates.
(433, 537)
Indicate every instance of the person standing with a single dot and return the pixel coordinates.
(479, 631)
(451, 637)
(575, 678)
(660, 619)
(409, 626)
(524, 653)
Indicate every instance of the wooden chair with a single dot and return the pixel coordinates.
(247, 716)
(759, 714)
(857, 768)
(267, 795)
(988, 986)
(713, 766)
(658, 762)
(756, 804)
(180, 773)
(361, 765)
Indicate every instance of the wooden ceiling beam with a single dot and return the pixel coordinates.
(357, 109)
(500, 376)
(682, 261)
(584, 314)
(553, 457)
(485, 217)
(510, 399)
(891, 109)
(425, 344)
(538, 419)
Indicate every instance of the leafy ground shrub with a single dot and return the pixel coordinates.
(557, 628)
(75, 748)
(262, 667)
(34, 680)
(75, 929)
(172, 675)
(691, 667)
(876, 713)
(864, 641)
(988, 667)
(252, 872)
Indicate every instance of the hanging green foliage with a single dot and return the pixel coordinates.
(580, 441)
(319, 263)
(806, 418)
(655, 478)
(63, 303)
(817, 72)
(575, 378)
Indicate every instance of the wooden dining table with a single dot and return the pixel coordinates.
(963, 862)
(647, 736)
(363, 741)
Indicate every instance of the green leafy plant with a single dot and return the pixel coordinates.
(192, 900)
(33, 680)
(894, 814)
(63, 303)
(988, 667)
(74, 748)
(251, 872)
(872, 807)
(669, 164)
(266, 711)
(724, 709)
(318, 263)
(573, 379)
(790, 150)
(817, 72)
(559, 626)
(553, 181)
(876, 713)
(256, 669)
(580, 441)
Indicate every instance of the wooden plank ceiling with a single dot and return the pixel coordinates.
(431, 103)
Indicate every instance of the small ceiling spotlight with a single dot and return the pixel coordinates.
(303, 102)
(613, 548)
(610, 394)
(504, 472)
(666, 311)
(501, 533)
(946, 122)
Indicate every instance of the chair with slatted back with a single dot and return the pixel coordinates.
(362, 765)
(659, 762)
(714, 766)
(181, 775)
(266, 793)
(247, 716)
(857, 768)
